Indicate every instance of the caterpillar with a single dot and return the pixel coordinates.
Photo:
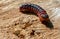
(39, 11)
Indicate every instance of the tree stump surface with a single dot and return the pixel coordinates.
(17, 25)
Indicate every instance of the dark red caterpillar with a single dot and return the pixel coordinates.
(36, 9)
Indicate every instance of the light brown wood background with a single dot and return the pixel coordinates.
(16, 25)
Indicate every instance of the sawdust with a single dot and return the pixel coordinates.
(17, 25)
